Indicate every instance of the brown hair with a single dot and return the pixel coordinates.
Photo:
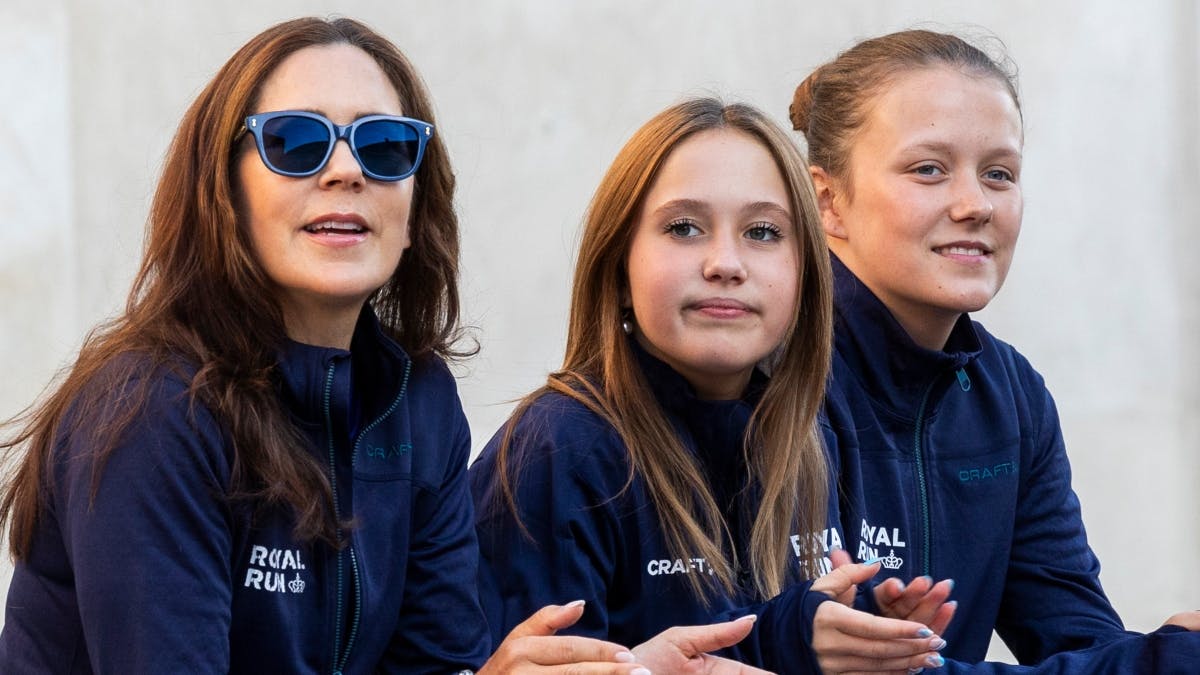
(782, 450)
(832, 103)
(202, 307)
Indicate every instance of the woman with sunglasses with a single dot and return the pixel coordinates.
(260, 465)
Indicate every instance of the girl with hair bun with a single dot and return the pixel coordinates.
(946, 442)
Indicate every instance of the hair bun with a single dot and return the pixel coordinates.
(801, 107)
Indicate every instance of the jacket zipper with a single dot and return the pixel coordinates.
(964, 383)
(922, 486)
(338, 660)
(341, 660)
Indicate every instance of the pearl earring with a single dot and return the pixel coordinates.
(627, 326)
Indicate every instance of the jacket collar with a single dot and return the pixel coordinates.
(880, 354)
(361, 381)
(713, 430)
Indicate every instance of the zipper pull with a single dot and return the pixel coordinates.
(964, 382)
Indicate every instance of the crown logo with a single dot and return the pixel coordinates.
(296, 585)
(892, 561)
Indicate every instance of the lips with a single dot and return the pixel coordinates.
(721, 308)
(337, 224)
(972, 249)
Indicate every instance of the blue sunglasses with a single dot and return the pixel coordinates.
(299, 143)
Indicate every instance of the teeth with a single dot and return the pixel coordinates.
(334, 226)
(962, 250)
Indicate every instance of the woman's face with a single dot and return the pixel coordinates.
(329, 240)
(713, 268)
(930, 210)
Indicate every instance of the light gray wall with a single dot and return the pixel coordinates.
(535, 98)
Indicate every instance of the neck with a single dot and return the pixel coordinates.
(321, 326)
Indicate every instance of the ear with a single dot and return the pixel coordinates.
(827, 192)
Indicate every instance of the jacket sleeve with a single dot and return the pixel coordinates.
(564, 548)
(150, 554)
(1170, 650)
(782, 635)
(1052, 601)
(441, 627)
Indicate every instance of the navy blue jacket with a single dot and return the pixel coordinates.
(951, 464)
(592, 539)
(163, 574)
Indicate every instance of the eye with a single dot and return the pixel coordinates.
(764, 232)
(999, 175)
(929, 170)
(682, 228)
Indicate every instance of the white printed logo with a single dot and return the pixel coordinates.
(268, 568)
(678, 566)
(819, 545)
(873, 538)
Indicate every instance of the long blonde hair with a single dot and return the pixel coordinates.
(782, 449)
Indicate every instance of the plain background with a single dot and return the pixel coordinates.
(535, 98)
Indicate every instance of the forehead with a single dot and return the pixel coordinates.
(943, 101)
(339, 80)
(718, 161)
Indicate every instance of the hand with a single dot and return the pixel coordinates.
(1189, 620)
(682, 649)
(847, 640)
(532, 647)
(922, 600)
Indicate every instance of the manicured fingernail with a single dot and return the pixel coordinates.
(749, 617)
(924, 632)
(951, 582)
(935, 660)
(625, 657)
(575, 603)
(640, 671)
(901, 585)
(937, 644)
(914, 671)
(872, 561)
(954, 603)
(928, 578)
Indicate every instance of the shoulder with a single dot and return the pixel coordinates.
(557, 436)
(432, 393)
(1000, 356)
(570, 426)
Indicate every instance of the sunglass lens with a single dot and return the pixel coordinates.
(295, 145)
(387, 148)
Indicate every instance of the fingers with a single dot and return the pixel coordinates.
(924, 607)
(696, 640)
(567, 655)
(941, 620)
(531, 647)
(549, 620)
(715, 665)
(840, 583)
(848, 640)
(839, 557)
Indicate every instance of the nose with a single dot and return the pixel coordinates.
(723, 260)
(972, 201)
(342, 169)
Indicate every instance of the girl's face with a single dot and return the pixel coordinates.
(328, 240)
(713, 269)
(930, 210)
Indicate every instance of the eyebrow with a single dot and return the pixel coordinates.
(948, 148)
(686, 205)
(357, 114)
